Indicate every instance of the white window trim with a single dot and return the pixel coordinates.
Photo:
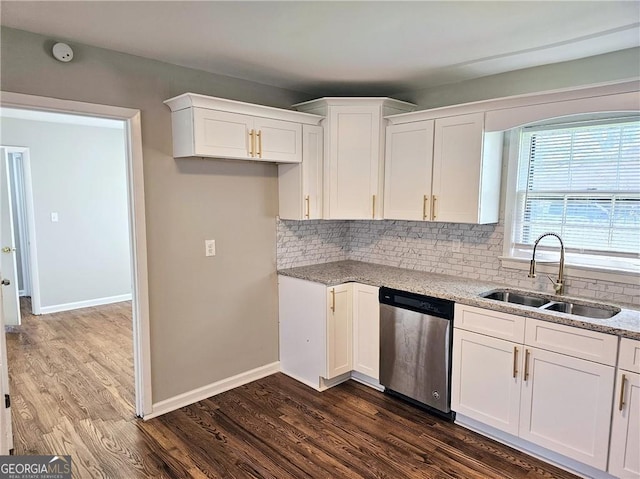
(509, 261)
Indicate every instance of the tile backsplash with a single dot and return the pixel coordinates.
(301, 243)
(470, 251)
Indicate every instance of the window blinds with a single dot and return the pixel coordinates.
(581, 181)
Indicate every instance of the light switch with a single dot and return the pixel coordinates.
(54, 217)
(209, 247)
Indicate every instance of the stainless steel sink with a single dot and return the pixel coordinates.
(596, 311)
(516, 298)
(587, 311)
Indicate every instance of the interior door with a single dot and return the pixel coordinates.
(6, 434)
(8, 263)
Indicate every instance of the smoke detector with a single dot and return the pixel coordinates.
(62, 52)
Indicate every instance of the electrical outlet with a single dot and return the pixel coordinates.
(455, 245)
(209, 247)
(54, 217)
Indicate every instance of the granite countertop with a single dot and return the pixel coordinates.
(461, 290)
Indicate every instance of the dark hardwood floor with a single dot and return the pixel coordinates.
(71, 378)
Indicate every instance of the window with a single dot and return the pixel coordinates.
(582, 181)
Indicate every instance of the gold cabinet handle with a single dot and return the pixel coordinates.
(259, 135)
(526, 365)
(515, 361)
(621, 404)
(333, 300)
(308, 207)
(252, 134)
(373, 215)
(425, 199)
(433, 207)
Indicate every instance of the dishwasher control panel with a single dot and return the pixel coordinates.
(442, 308)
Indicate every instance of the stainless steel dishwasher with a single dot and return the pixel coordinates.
(416, 336)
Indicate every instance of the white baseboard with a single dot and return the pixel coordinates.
(57, 308)
(212, 389)
(302, 380)
(329, 383)
(366, 380)
(546, 455)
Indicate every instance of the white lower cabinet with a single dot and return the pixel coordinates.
(624, 459)
(327, 332)
(486, 379)
(546, 397)
(566, 405)
(366, 330)
(339, 331)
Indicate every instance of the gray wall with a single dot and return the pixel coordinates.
(80, 173)
(615, 66)
(214, 317)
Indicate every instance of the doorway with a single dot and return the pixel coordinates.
(136, 216)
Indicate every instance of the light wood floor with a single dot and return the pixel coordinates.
(71, 378)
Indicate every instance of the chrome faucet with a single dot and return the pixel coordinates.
(558, 285)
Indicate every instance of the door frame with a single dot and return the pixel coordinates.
(26, 225)
(138, 233)
(24, 206)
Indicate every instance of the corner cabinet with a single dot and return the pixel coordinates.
(211, 127)
(442, 169)
(353, 153)
(624, 460)
(547, 384)
(327, 332)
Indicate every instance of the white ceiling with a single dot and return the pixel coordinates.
(341, 47)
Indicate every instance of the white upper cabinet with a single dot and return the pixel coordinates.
(466, 170)
(354, 146)
(218, 128)
(300, 185)
(408, 166)
(449, 164)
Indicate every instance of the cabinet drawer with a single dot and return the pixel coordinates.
(492, 323)
(580, 343)
(629, 358)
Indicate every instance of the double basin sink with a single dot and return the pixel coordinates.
(550, 303)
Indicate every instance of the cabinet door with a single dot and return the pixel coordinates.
(300, 184)
(339, 330)
(408, 166)
(353, 163)
(366, 330)
(486, 377)
(278, 140)
(457, 160)
(312, 148)
(625, 429)
(566, 405)
(221, 134)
